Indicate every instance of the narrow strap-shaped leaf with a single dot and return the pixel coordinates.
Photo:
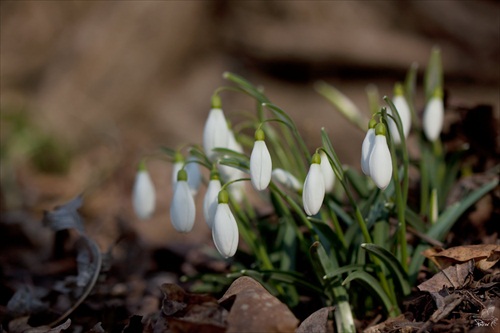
(392, 264)
(372, 285)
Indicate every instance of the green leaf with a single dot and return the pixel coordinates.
(372, 285)
(246, 86)
(332, 156)
(392, 264)
(410, 91)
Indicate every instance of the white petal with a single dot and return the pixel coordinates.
(405, 115)
(366, 150)
(215, 133)
(314, 190)
(380, 163)
(286, 178)
(233, 144)
(175, 170)
(182, 209)
(433, 118)
(260, 166)
(210, 201)
(328, 174)
(194, 176)
(143, 195)
(225, 231)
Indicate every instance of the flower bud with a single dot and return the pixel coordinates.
(367, 147)
(433, 117)
(215, 133)
(194, 175)
(328, 174)
(260, 163)
(314, 187)
(404, 112)
(380, 159)
(182, 209)
(225, 229)
(143, 194)
(210, 201)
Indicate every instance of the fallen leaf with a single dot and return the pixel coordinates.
(65, 216)
(452, 277)
(484, 255)
(254, 309)
(317, 322)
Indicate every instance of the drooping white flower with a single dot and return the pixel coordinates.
(143, 193)
(225, 229)
(194, 175)
(210, 201)
(285, 178)
(433, 117)
(367, 147)
(328, 174)
(404, 112)
(380, 163)
(182, 209)
(216, 132)
(260, 162)
(314, 187)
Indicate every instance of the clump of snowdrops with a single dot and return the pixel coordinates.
(332, 228)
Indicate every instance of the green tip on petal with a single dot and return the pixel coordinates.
(142, 166)
(398, 89)
(380, 129)
(214, 174)
(372, 123)
(216, 102)
(316, 159)
(182, 175)
(223, 197)
(259, 135)
(438, 93)
(178, 157)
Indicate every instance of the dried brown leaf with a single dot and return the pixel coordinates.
(255, 310)
(316, 322)
(484, 255)
(456, 276)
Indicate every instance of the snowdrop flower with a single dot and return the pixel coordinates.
(433, 116)
(380, 159)
(210, 201)
(225, 230)
(194, 174)
(328, 174)
(260, 162)
(216, 132)
(143, 193)
(182, 209)
(314, 187)
(286, 178)
(367, 147)
(401, 105)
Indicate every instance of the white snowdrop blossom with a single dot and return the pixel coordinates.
(285, 178)
(182, 208)
(260, 162)
(433, 117)
(215, 133)
(328, 174)
(314, 187)
(143, 194)
(210, 200)
(404, 112)
(194, 175)
(367, 147)
(225, 229)
(380, 159)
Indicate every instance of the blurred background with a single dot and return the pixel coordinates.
(90, 87)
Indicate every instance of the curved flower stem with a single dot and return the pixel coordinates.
(400, 195)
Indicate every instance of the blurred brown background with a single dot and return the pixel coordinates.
(88, 88)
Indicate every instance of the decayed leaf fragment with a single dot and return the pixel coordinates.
(254, 309)
(484, 255)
